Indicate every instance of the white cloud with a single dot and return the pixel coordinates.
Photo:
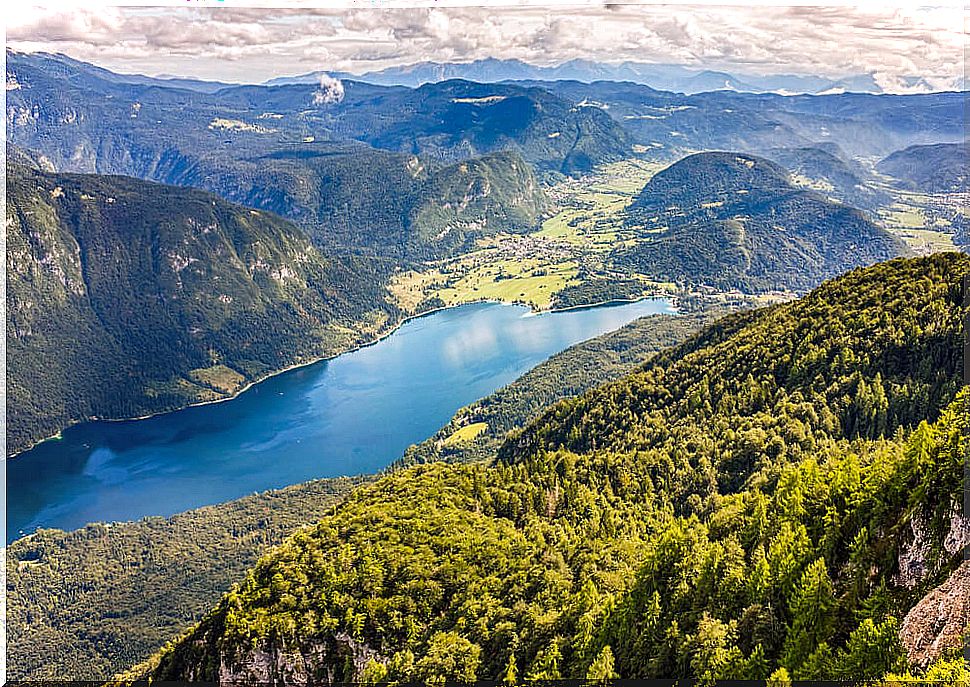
(893, 43)
(331, 91)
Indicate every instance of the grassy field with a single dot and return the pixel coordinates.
(465, 434)
(575, 239)
(218, 377)
(922, 220)
(529, 281)
(926, 241)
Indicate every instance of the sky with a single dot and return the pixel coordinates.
(228, 41)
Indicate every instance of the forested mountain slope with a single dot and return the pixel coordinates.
(769, 498)
(127, 297)
(59, 581)
(828, 170)
(941, 168)
(732, 220)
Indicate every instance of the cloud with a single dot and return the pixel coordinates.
(894, 44)
(331, 91)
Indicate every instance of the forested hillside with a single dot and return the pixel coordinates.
(735, 221)
(827, 169)
(127, 297)
(769, 498)
(941, 168)
(478, 197)
(160, 575)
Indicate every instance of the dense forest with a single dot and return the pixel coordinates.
(770, 498)
(128, 297)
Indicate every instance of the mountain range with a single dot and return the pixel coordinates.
(668, 77)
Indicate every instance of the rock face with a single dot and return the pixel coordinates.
(314, 664)
(940, 620)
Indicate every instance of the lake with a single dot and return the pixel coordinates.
(354, 414)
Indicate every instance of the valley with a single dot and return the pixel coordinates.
(182, 565)
(566, 253)
(799, 482)
(446, 380)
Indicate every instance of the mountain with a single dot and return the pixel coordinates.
(862, 125)
(454, 119)
(88, 122)
(668, 77)
(127, 297)
(771, 498)
(496, 192)
(827, 169)
(735, 221)
(941, 168)
(64, 67)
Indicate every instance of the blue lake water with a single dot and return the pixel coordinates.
(353, 414)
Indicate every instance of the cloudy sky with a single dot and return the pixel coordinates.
(235, 43)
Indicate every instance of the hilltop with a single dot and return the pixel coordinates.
(735, 221)
(940, 168)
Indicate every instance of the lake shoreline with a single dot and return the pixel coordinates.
(321, 423)
(57, 436)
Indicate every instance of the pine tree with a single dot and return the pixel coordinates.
(811, 608)
(602, 668)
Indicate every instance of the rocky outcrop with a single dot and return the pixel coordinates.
(324, 662)
(940, 620)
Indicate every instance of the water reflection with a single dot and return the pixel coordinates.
(354, 414)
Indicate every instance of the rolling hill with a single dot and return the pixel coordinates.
(735, 221)
(772, 498)
(941, 168)
(127, 297)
